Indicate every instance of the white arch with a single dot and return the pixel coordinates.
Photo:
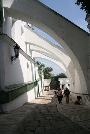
(39, 55)
(42, 50)
(39, 49)
(36, 41)
(58, 27)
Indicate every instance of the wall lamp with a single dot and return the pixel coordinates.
(16, 51)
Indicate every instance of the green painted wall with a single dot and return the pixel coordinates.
(16, 90)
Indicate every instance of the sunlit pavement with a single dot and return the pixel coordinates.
(42, 116)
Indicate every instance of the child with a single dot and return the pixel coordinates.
(78, 101)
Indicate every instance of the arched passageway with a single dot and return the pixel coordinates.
(62, 30)
(35, 40)
(39, 55)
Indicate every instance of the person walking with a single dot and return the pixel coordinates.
(59, 95)
(67, 92)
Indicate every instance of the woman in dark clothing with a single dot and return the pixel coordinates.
(59, 95)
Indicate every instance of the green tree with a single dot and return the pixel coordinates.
(47, 73)
(46, 70)
(40, 65)
(85, 5)
(62, 75)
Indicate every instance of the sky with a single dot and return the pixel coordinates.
(72, 12)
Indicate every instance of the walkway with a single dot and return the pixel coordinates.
(77, 113)
(41, 116)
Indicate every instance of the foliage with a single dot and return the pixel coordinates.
(55, 78)
(47, 72)
(40, 65)
(85, 5)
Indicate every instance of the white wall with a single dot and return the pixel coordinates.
(47, 82)
(40, 88)
(7, 24)
(18, 102)
(36, 71)
(58, 27)
(20, 70)
(62, 30)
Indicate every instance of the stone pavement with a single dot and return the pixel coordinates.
(43, 116)
(77, 113)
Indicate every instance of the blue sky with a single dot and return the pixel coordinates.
(72, 12)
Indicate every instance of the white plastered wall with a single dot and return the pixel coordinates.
(62, 30)
(18, 102)
(65, 39)
(20, 70)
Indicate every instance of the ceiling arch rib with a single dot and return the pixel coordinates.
(38, 47)
(37, 40)
(59, 64)
(55, 51)
(41, 50)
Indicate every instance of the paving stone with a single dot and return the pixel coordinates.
(27, 132)
(82, 132)
(44, 121)
(48, 127)
(33, 124)
(32, 129)
(40, 129)
(46, 118)
(51, 132)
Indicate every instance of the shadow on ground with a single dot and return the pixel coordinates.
(45, 119)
